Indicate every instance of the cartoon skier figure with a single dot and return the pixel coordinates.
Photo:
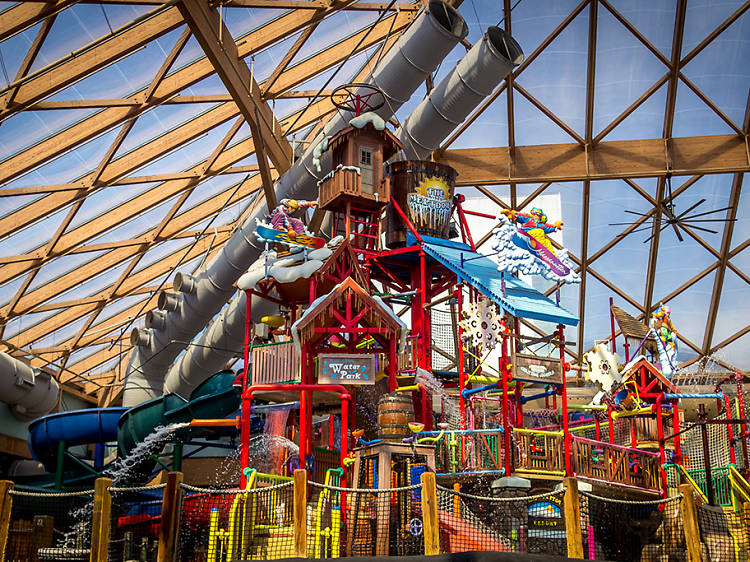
(665, 330)
(281, 217)
(535, 225)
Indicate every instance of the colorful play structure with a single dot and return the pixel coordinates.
(403, 393)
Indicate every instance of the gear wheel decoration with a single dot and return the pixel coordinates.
(482, 326)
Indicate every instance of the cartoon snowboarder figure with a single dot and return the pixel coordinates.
(281, 217)
(535, 225)
(661, 322)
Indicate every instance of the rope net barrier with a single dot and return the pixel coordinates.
(616, 529)
(364, 522)
(234, 524)
(723, 533)
(50, 526)
(134, 523)
(531, 524)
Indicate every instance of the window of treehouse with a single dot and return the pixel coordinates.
(365, 167)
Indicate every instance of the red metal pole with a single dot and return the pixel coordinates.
(246, 404)
(462, 218)
(730, 431)
(598, 427)
(675, 429)
(392, 365)
(506, 420)
(566, 429)
(460, 354)
(331, 426)
(344, 428)
(611, 425)
(660, 436)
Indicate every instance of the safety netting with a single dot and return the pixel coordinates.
(222, 525)
(525, 523)
(49, 526)
(723, 533)
(134, 523)
(364, 522)
(631, 530)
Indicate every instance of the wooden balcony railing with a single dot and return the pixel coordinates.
(539, 451)
(614, 464)
(276, 363)
(347, 181)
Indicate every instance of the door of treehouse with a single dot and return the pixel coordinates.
(365, 167)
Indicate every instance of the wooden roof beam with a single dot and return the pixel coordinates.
(717, 154)
(40, 87)
(221, 50)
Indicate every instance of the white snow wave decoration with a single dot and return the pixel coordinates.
(513, 259)
(369, 117)
(287, 269)
(318, 151)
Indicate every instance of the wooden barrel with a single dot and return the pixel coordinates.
(394, 414)
(424, 191)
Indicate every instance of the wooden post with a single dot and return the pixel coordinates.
(572, 510)
(300, 513)
(746, 517)
(430, 523)
(170, 517)
(690, 522)
(101, 521)
(6, 502)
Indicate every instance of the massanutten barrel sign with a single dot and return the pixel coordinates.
(424, 191)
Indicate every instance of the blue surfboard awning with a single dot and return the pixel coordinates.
(481, 273)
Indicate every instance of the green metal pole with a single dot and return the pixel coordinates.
(60, 464)
(177, 457)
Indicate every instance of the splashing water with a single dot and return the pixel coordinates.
(265, 450)
(122, 469)
(427, 380)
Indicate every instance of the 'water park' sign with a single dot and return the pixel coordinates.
(346, 368)
(546, 370)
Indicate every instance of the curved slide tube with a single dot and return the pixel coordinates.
(214, 398)
(55, 433)
(72, 428)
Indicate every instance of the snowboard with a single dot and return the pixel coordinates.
(527, 242)
(268, 234)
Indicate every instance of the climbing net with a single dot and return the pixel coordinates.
(236, 524)
(364, 522)
(519, 523)
(617, 529)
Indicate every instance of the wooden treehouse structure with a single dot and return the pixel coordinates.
(355, 190)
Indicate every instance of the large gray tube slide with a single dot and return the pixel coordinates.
(417, 53)
(480, 71)
(475, 77)
(29, 392)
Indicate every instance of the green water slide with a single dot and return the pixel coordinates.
(214, 398)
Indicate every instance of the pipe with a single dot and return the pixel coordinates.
(419, 50)
(480, 71)
(29, 392)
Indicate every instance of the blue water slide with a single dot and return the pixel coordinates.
(75, 427)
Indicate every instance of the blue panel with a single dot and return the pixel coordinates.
(480, 272)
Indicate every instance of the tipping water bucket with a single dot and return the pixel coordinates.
(424, 191)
